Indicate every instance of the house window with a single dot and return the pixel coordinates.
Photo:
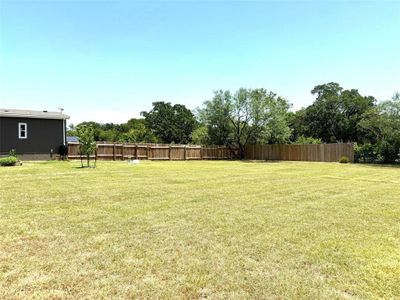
(22, 131)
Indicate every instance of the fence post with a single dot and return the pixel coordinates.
(147, 151)
(169, 152)
(201, 152)
(122, 151)
(351, 152)
(114, 151)
(184, 152)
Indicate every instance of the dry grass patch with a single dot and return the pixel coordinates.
(204, 229)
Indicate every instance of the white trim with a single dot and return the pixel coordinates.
(64, 129)
(19, 113)
(25, 131)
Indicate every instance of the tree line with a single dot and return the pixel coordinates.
(259, 116)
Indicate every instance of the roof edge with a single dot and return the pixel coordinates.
(32, 114)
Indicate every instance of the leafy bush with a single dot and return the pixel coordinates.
(8, 161)
(344, 160)
(366, 153)
(381, 152)
(389, 151)
(306, 140)
(12, 152)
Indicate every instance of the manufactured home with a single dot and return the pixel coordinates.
(32, 134)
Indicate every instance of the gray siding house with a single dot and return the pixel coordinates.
(33, 134)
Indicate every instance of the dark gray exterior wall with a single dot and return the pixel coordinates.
(43, 135)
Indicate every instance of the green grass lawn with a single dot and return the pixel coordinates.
(206, 229)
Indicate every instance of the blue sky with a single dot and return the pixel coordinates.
(109, 60)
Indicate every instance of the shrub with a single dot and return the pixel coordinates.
(389, 151)
(12, 152)
(366, 153)
(381, 152)
(8, 161)
(344, 160)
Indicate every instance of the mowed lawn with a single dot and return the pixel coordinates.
(200, 229)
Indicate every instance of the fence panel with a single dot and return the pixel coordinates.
(322, 152)
(73, 150)
(116, 151)
(129, 151)
(177, 152)
(142, 151)
(105, 151)
(193, 152)
(209, 152)
(159, 152)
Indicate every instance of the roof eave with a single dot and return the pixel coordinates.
(61, 117)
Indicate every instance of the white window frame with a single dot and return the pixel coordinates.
(20, 131)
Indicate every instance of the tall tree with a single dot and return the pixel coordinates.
(248, 116)
(382, 127)
(297, 123)
(137, 132)
(334, 115)
(200, 136)
(215, 115)
(171, 123)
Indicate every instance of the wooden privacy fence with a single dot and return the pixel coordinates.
(118, 151)
(321, 152)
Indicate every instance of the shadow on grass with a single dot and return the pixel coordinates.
(260, 161)
(368, 165)
(85, 167)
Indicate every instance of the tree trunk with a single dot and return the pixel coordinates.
(241, 150)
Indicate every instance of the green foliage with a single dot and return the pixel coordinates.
(276, 124)
(382, 128)
(138, 133)
(257, 116)
(171, 123)
(87, 142)
(215, 116)
(339, 115)
(200, 136)
(305, 140)
(133, 131)
(366, 153)
(71, 130)
(344, 160)
(389, 150)
(13, 153)
(335, 114)
(8, 161)
(248, 116)
(297, 123)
